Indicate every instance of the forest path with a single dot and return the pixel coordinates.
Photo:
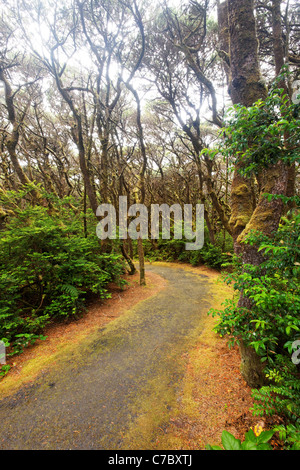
(120, 383)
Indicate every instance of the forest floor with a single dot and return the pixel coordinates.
(207, 392)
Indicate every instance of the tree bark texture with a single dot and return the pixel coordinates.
(245, 87)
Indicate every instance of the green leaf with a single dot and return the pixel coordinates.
(264, 447)
(249, 445)
(209, 447)
(250, 436)
(230, 442)
(265, 436)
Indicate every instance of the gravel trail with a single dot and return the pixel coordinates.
(120, 382)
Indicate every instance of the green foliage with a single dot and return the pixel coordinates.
(260, 136)
(272, 324)
(47, 267)
(273, 288)
(4, 370)
(264, 133)
(214, 257)
(174, 250)
(251, 442)
(290, 435)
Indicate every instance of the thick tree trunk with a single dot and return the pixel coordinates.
(251, 366)
(279, 57)
(267, 214)
(231, 51)
(246, 87)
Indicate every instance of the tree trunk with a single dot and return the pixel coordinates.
(141, 261)
(104, 168)
(224, 38)
(246, 87)
(13, 140)
(279, 57)
(85, 173)
(128, 258)
(276, 179)
(141, 199)
(210, 229)
(251, 366)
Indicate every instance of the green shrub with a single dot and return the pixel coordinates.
(47, 268)
(214, 257)
(174, 250)
(260, 136)
(272, 324)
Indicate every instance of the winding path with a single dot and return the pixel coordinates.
(120, 380)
